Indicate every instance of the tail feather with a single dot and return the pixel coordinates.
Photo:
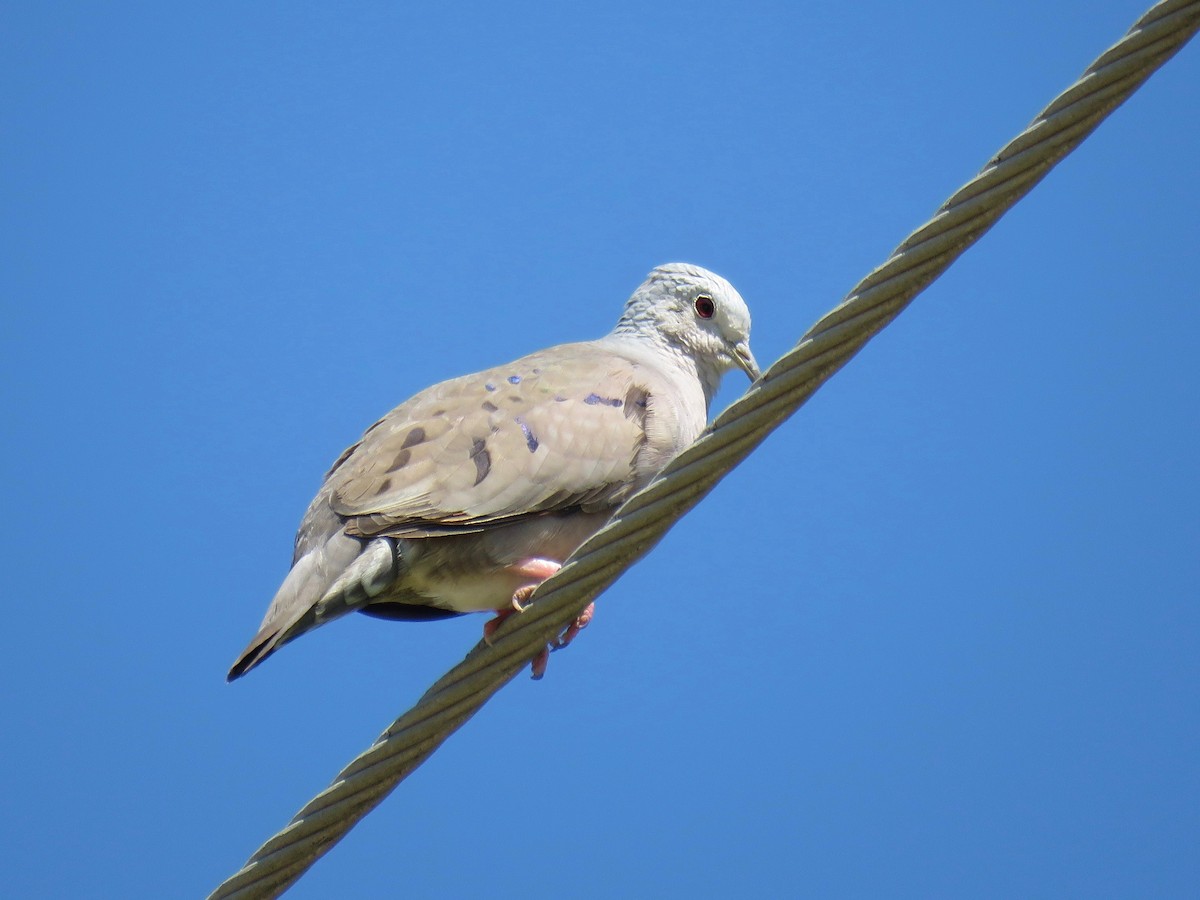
(335, 578)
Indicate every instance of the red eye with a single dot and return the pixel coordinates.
(704, 306)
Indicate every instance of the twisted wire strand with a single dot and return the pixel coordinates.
(642, 521)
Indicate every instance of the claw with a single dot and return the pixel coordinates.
(520, 597)
(577, 626)
(537, 668)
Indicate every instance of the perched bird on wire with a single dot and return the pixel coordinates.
(469, 495)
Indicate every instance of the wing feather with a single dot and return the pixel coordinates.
(549, 432)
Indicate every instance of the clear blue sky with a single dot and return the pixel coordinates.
(937, 638)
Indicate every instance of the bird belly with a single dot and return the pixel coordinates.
(467, 593)
(475, 572)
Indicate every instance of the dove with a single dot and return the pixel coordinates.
(469, 495)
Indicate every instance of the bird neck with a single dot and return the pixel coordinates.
(654, 349)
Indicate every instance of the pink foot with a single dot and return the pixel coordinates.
(577, 626)
(539, 570)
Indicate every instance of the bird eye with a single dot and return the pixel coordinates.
(704, 306)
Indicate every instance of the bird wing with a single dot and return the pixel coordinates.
(561, 429)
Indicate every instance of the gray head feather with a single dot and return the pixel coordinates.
(690, 310)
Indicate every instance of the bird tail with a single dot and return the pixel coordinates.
(334, 578)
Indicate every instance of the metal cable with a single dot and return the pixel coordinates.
(639, 524)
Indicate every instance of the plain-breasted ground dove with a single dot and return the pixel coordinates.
(473, 492)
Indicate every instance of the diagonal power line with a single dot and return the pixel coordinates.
(639, 524)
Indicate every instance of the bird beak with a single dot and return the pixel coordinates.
(745, 360)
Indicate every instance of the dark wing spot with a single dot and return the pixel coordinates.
(483, 459)
(593, 399)
(514, 379)
(416, 436)
(490, 406)
(401, 459)
(531, 440)
(635, 404)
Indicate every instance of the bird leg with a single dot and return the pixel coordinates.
(490, 626)
(539, 569)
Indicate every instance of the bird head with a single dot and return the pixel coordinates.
(696, 312)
